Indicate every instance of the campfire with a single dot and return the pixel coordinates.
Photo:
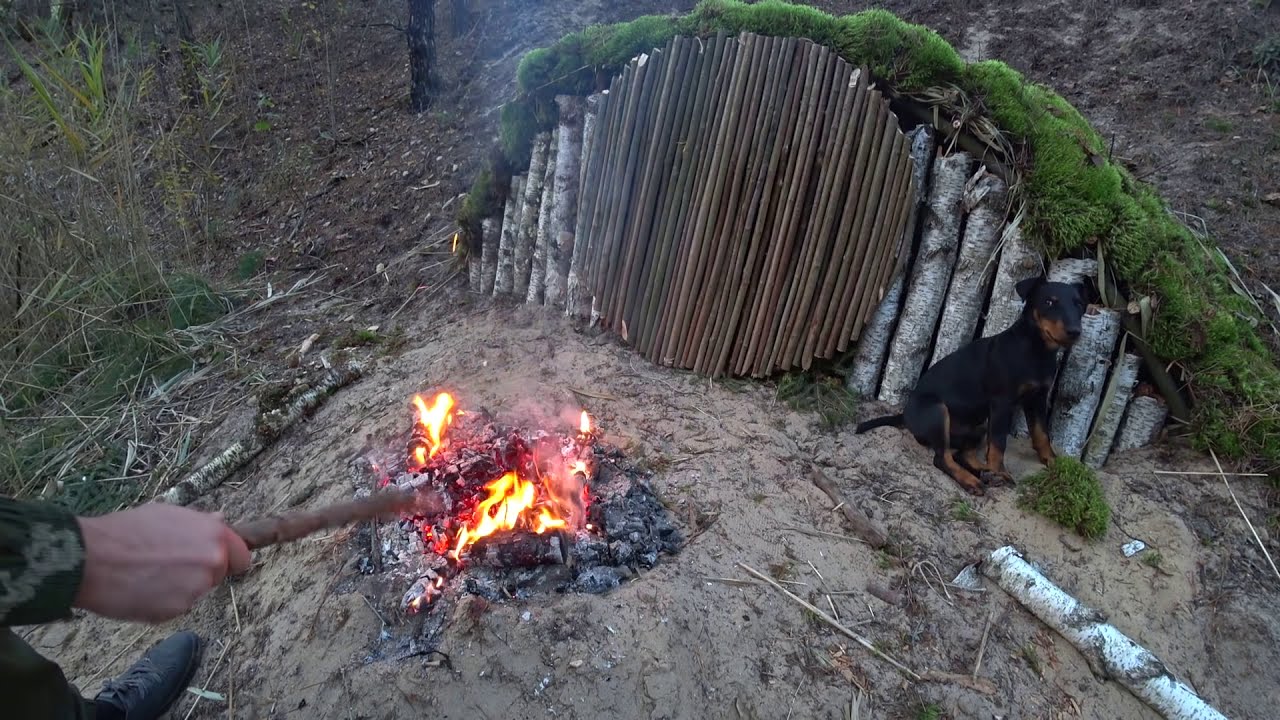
(545, 509)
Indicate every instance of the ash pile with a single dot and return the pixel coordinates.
(528, 512)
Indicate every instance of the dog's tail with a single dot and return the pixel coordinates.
(887, 420)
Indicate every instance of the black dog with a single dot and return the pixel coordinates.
(972, 392)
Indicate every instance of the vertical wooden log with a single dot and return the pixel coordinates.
(538, 265)
(475, 268)
(987, 202)
(1018, 261)
(564, 204)
(873, 343)
(1072, 270)
(490, 234)
(527, 235)
(1142, 419)
(1124, 376)
(910, 347)
(1081, 380)
(503, 280)
(578, 299)
(607, 141)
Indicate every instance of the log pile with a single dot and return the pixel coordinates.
(748, 205)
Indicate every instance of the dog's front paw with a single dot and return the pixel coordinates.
(997, 477)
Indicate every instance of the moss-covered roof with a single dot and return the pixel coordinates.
(1077, 200)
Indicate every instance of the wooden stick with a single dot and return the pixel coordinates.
(288, 527)
(564, 207)
(859, 523)
(832, 622)
(982, 645)
(893, 251)
(1209, 472)
(538, 262)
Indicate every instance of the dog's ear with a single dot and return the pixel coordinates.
(1028, 286)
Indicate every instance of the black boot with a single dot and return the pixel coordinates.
(146, 690)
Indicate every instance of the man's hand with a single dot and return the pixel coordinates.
(152, 563)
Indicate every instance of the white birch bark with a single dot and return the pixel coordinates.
(503, 281)
(1072, 270)
(923, 300)
(1081, 380)
(1018, 261)
(538, 265)
(489, 233)
(475, 269)
(564, 203)
(987, 202)
(1111, 654)
(1114, 402)
(528, 234)
(1142, 422)
(577, 296)
(873, 345)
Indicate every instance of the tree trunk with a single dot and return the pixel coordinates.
(1120, 388)
(1081, 380)
(461, 17)
(422, 52)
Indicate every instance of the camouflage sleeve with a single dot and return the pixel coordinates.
(41, 561)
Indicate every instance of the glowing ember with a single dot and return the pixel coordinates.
(584, 424)
(433, 419)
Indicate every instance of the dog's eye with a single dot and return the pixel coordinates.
(1050, 302)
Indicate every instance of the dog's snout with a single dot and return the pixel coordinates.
(1073, 332)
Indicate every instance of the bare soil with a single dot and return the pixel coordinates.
(347, 181)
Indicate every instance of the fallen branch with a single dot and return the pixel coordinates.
(1111, 654)
(831, 621)
(268, 428)
(1261, 546)
(859, 523)
(276, 529)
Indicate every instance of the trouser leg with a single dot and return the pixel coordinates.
(34, 686)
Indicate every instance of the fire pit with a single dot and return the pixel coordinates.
(528, 511)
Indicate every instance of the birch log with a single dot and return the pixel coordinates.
(1110, 653)
(502, 282)
(538, 264)
(527, 237)
(578, 294)
(564, 202)
(873, 344)
(1072, 270)
(489, 233)
(1081, 380)
(1142, 421)
(1018, 261)
(986, 199)
(923, 301)
(475, 268)
(1114, 402)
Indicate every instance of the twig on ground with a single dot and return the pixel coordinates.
(213, 671)
(822, 533)
(924, 565)
(792, 706)
(116, 657)
(1261, 546)
(982, 685)
(888, 596)
(982, 646)
(832, 622)
(858, 522)
(235, 610)
(738, 581)
(1208, 472)
(588, 393)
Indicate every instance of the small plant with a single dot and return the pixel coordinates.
(1217, 124)
(250, 263)
(962, 511)
(358, 338)
(1153, 559)
(1068, 492)
(932, 711)
(1032, 659)
(826, 395)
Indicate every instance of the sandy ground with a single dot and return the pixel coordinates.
(294, 640)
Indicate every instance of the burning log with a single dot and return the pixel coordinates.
(1111, 410)
(578, 292)
(504, 276)
(518, 550)
(1143, 419)
(269, 427)
(1081, 380)
(489, 259)
(1111, 655)
(527, 235)
(564, 203)
(987, 202)
(873, 343)
(1018, 261)
(929, 278)
(538, 265)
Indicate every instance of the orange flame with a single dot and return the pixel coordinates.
(434, 419)
(505, 509)
(584, 423)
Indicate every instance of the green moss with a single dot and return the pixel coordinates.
(1068, 493)
(482, 201)
(1076, 198)
(826, 395)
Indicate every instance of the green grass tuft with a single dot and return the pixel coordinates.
(1067, 492)
(826, 395)
(249, 264)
